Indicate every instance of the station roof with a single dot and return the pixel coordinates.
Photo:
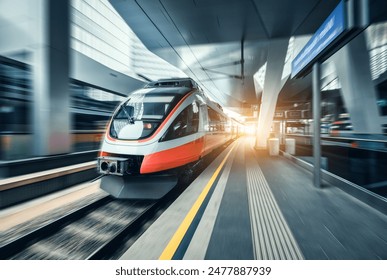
(222, 43)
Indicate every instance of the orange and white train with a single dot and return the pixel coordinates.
(156, 133)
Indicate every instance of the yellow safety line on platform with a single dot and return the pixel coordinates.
(174, 243)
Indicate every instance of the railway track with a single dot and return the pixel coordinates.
(99, 227)
(91, 232)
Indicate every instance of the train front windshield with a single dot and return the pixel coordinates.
(140, 116)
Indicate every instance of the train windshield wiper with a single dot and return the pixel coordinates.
(131, 120)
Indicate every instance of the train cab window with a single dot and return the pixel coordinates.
(140, 116)
(186, 123)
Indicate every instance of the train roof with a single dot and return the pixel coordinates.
(176, 86)
(166, 91)
(178, 82)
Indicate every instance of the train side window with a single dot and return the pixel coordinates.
(186, 123)
(213, 120)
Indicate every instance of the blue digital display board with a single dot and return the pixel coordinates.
(332, 28)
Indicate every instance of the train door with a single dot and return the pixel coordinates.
(215, 129)
(204, 126)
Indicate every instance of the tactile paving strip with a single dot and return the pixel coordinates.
(272, 238)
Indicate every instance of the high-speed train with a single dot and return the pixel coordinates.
(156, 133)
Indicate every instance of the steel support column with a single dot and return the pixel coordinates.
(316, 125)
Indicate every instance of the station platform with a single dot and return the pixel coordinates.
(249, 205)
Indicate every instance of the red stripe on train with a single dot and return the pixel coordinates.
(172, 158)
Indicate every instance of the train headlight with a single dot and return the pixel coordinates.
(112, 165)
(104, 166)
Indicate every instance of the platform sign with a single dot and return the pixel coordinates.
(279, 115)
(295, 114)
(331, 29)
